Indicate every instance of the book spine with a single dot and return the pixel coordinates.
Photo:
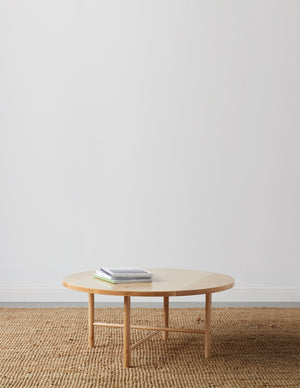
(134, 275)
(123, 281)
(131, 275)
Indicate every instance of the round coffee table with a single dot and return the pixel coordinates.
(166, 282)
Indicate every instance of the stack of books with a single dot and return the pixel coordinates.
(123, 275)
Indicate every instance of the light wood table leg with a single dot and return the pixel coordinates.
(91, 320)
(207, 325)
(166, 316)
(127, 331)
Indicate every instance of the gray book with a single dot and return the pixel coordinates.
(126, 273)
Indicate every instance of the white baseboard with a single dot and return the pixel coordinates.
(283, 294)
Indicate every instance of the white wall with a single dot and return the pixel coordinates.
(151, 133)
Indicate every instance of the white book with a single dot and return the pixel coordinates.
(123, 273)
(102, 276)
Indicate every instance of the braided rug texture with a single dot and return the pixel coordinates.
(251, 347)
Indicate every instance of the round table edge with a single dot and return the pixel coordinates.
(150, 294)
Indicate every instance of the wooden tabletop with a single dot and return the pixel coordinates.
(165, 282)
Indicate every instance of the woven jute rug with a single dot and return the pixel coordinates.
(253, 347)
